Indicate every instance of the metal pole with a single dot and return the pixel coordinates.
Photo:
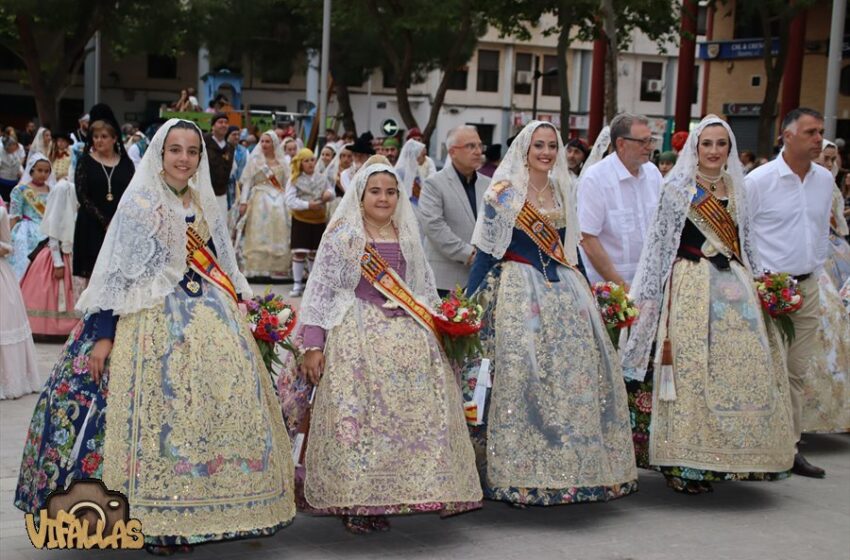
(833, 68)
(534, 77)
(97, 52)
(323, 79)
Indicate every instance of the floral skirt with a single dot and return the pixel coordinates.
(731, 416)
(837, 263)
(387, 432)
(556, 427)
(826, 386)
(193, 434)
(65, 437)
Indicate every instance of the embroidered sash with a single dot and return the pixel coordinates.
(32, 199)
(710, 217)
(376, 270)
(269, 174)
(203, 261)
(542, 232)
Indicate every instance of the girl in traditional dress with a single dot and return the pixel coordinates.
(18, 365)
(387, 435)
(263, 231)
(556, 429)
(60, 156)
(409, 161)
(290, 148)
(714, 403)
(343, 160)
(192, 433)
(28, 204)
(307, 196)
(47, 286)
(101, 176)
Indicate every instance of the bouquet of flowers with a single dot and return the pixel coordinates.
(459, 320)
(780, 297)
(272, 321)
(618, 311)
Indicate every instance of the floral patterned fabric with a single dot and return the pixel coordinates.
(387, 433)
(723, 424)
(65, 438)
(837, 263)
(556, 425)
(826, 385)
(26, 235)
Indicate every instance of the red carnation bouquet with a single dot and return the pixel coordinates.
(780, 296)
(272, 321)
(618, 310)
(458, 319)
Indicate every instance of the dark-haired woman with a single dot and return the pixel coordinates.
(193, 434)
(101, 177)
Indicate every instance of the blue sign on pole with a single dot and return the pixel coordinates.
(749, 48)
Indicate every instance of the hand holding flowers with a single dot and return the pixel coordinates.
(458, 319)
(618, 310)
(780, 296)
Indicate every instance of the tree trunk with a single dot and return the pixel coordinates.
(452, 62)
(344, 100)
(564, 25)
(63, 59)
(610, 26)
(773, 66)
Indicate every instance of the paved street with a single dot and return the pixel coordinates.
(796, 519)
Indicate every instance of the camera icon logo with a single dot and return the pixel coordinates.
(86, 515)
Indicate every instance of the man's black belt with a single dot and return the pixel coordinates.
(802, 277)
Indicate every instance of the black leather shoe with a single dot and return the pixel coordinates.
(804, 468)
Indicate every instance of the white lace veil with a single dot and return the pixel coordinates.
(407, 167)
(61, 214)
(600, 147)
(662, 242)
(144, 254)
(257, 159)
(330, 289)
(333, 167)
(38, 146)
(494, 230)
(321, 168)
(32, 159)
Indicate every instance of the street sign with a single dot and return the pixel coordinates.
(389, 127)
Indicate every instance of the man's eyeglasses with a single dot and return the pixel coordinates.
(645, 142)
(472, 146)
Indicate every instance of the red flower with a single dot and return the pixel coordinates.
(91, 462)
(451, 312)
(643, 401)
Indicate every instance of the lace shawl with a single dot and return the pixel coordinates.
(662, 243)
(143, 256)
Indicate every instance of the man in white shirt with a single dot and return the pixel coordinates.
(616, 202)
(789, 205)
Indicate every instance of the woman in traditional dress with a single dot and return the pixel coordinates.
(714, 403)
(556, 429)
(387, 435)
(47, 285)
(28, 204)
(18, 365)
(192, 433)
(307, 197)
(101, 176)
(41, 144)
(409, 161)
(826, 386)
(263, 231)
(326, 157)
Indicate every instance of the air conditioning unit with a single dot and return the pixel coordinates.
(524, 76)
(654, 86)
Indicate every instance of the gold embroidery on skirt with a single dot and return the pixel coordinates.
(732, 411)
(387, 423)
(220, 407)
(558, 413)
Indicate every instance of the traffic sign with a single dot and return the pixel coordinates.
(389, 127)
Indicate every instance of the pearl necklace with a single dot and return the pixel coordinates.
(712, 181)
(540, 191)
(380, 229)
